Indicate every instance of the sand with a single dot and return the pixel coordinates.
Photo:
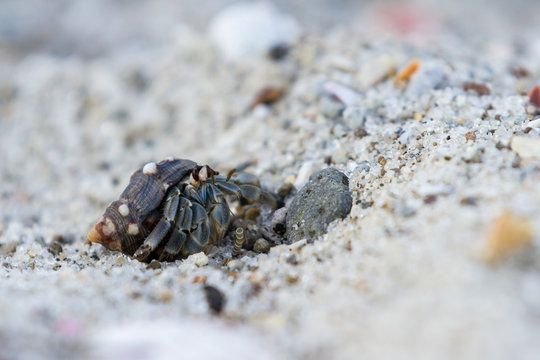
(438, 259)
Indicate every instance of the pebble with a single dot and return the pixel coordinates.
(478, 88)
(8, 249)
(261, 246)
(405, 74)
(246, 29)
(267, 95)
(154, 265)
(199, 259)
(55, 248)
(508, 233)
(324, 199)
(215, 299)
(235, 264)
(286, 189)
(534, 96)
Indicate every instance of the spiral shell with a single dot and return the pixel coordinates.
(128, 220)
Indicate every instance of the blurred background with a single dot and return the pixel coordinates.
(93, 28)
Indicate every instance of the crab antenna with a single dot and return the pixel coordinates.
(230, 174)
(212, 176)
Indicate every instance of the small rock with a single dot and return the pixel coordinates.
(200, 279)
(470, 136)
(469, 201)
(267, 96)
(279, 221)
(286, 189)
(55, 248)
(261, 246)
(252, 213)
(324, 199)
(199, 259)
(235, 264)
(360, 132)
(215, 299)
(519, 72)
(247, 29)
(278, 52)
(508, 234)
(534, 96)
(8, 249)
(154, 265)
(478, 88)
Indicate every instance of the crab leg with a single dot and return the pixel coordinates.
(176, 241)
(162, 228)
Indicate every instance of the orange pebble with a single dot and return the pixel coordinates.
(405, 74)
(508, 234)
(534, 96)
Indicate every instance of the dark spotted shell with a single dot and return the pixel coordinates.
(128, 220)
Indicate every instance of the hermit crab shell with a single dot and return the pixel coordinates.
(128, 220)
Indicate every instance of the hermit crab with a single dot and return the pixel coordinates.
(173, 209)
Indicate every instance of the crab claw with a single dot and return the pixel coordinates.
(103, 233)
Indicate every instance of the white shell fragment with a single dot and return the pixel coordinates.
(247, 29)
(123, 210)
(198, 259)
(133, 229)
(527, 148)
(345, 94)
(149, 168)
(375, 70)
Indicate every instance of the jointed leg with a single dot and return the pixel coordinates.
(162, 228)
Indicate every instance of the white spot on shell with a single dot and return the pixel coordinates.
(133, 229)
(149, 168)
(123, 210)
(166, 186)
(109, 227)
(169, 158)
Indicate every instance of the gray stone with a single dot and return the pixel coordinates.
(325, 198)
